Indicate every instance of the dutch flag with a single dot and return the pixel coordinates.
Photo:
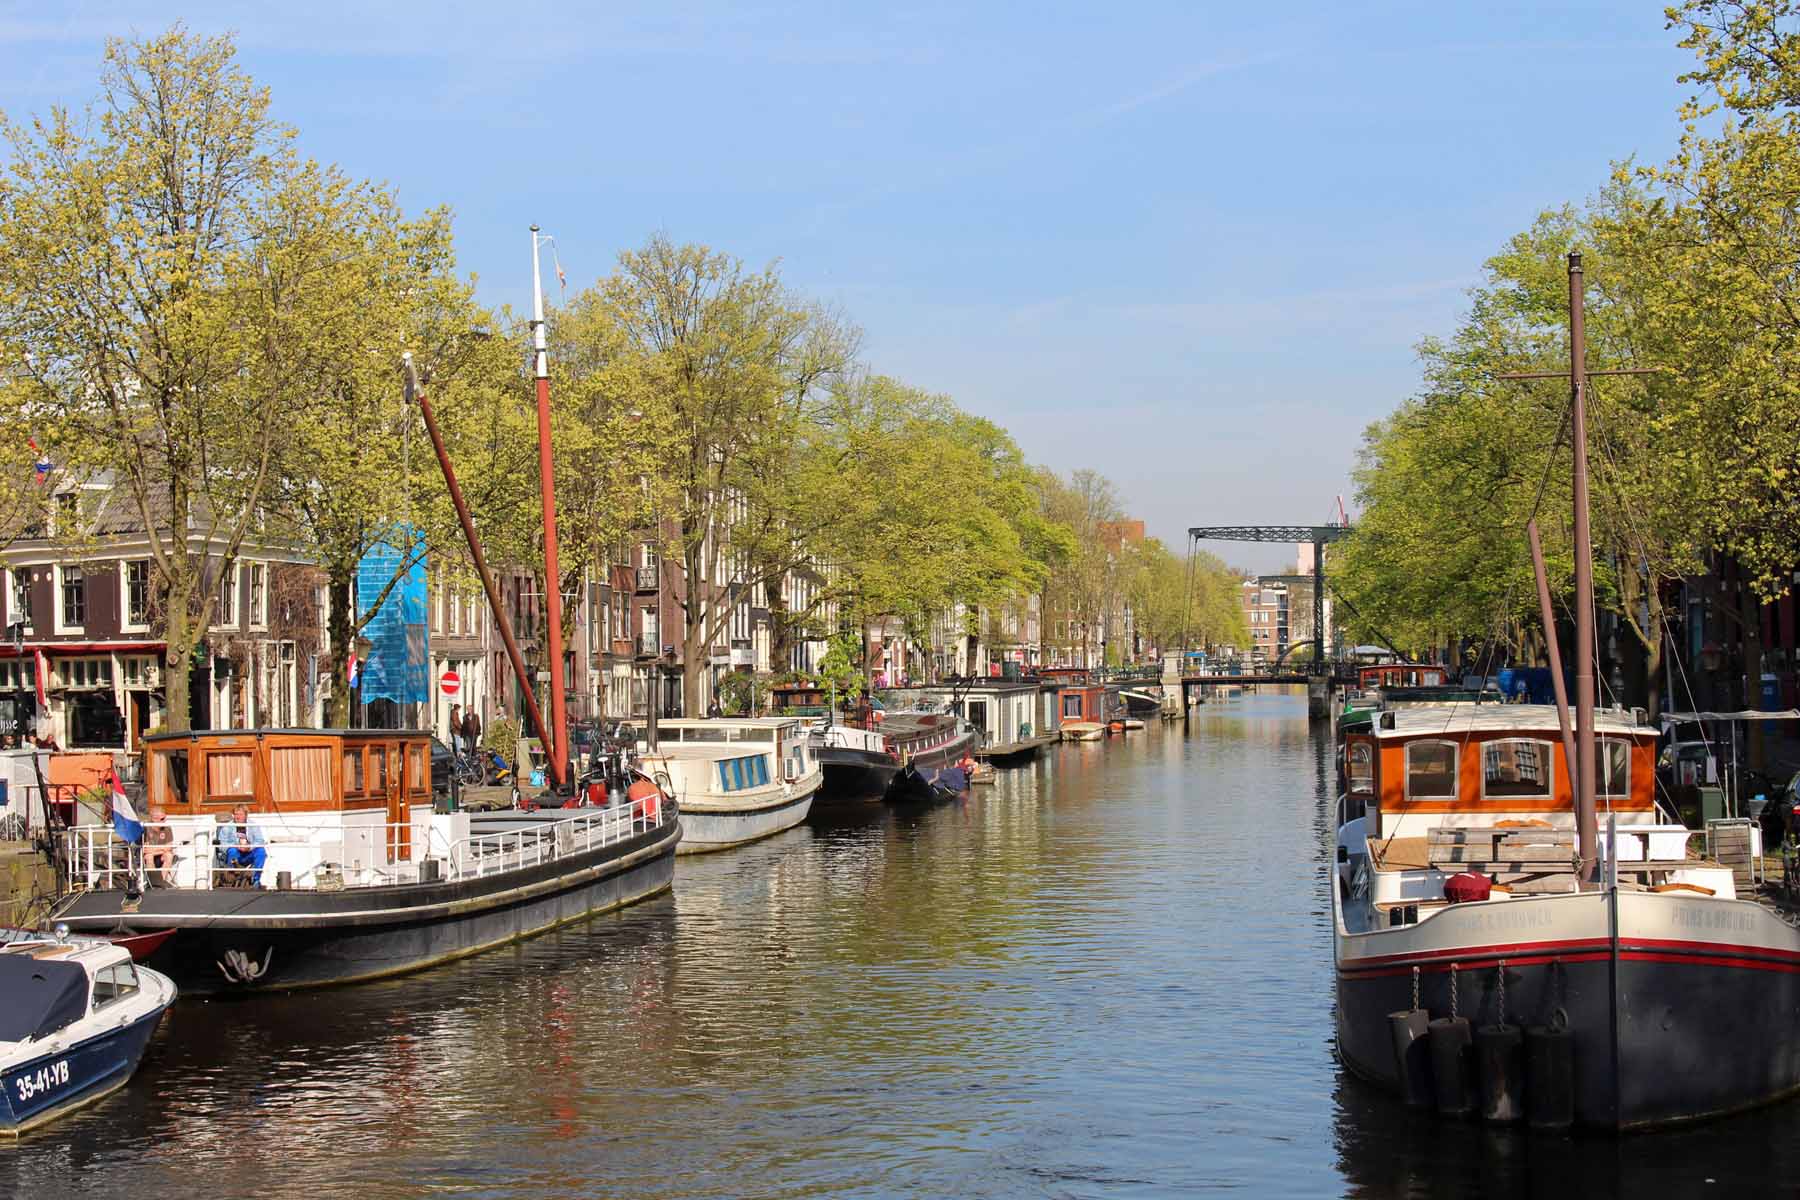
(352, 670)
(124, 817)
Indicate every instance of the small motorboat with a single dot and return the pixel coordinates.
(916, 784)
(1083, 731)
(1131, 723)
(75, 1016)
(982, 773)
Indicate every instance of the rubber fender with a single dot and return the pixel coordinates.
(1549, 1077)
(1451, 1040)
(1412, 1055)
(1500, 1070)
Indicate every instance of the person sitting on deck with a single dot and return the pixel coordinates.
(159, 849)
(239, 844)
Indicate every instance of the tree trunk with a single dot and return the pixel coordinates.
(341, 627)
(178, 638)
(1750, 615)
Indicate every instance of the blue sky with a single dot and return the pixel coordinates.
(1191, 246)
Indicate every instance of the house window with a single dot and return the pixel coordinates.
(1431, 771)
(228, 580)
(21, 596)
(74, 598)
(137, 592)
(1614, 766)
(259, 594)
(1516, 769)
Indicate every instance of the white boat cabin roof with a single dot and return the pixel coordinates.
(1454, 720)
(704, 751)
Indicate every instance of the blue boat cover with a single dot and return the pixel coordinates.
(39, 996)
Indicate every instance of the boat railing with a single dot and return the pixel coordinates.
(330, 856)
(530, 845)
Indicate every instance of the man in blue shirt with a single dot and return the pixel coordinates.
(238, 843)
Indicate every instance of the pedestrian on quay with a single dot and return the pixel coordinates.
(456, 731)
(471, 729)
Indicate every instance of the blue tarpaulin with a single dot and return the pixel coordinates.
(399, 664)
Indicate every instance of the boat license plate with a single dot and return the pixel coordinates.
(31, 1084)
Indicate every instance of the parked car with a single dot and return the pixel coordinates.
(443, 767)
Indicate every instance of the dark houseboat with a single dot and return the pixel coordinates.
(346, 872)
(863, 756)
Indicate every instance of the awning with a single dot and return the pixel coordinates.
(1748, 714)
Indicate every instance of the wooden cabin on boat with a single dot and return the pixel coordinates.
(1401, 675)
(354, 801)
(1412, 770)
(1003, 713)
(1084, 702)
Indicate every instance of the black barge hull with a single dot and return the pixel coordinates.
(854, 775)
(234, 941)
(1703, 1030)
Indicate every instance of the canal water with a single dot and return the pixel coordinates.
(1109, 975)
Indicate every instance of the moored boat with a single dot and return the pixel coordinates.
(1083, 731)
(75, 1017)
(862, 762)
(737, 780)
(341, 869)
(1667, 984)
(928, 785)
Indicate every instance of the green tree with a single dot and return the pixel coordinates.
(158, 256)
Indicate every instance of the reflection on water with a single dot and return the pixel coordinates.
(1108, 974)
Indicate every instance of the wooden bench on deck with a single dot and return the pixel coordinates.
(1523, 860)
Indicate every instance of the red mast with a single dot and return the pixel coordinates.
(559, 710)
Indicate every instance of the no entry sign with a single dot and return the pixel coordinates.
(451, 682)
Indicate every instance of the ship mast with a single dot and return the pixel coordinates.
(540, 359)
(1586, 833)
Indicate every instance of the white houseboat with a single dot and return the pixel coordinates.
(1002, 712)
(736, 779)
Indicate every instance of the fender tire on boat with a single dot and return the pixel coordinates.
(1549, 1077)
(1412, 1055)
(1450, 1054)
(1500, 1066)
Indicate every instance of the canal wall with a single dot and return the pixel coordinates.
(27, 883)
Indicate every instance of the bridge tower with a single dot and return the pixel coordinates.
(1319, 688)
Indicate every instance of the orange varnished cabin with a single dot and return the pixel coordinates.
(291, 771)
(1470, 764)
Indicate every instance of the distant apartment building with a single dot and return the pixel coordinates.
(1266, 612)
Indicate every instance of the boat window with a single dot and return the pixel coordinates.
(1071, 705)
(1517, 768)
(1614, 766)
(705, 734)
(299, 773)
(416, 778)
(1360, 767)
(114, 983)
(171, 774)
(1431, 771)
(353, 772)
(228, 775)
(378, 775)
